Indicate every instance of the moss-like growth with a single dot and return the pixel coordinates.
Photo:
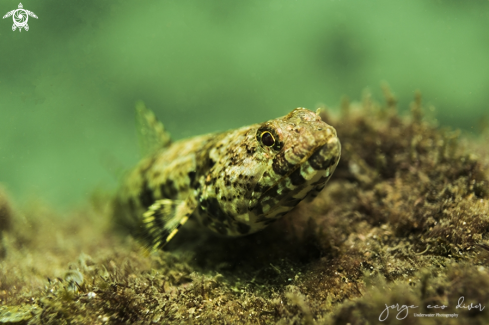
(403, 221)
(6, 215)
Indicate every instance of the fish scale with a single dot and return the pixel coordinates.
(235, 182)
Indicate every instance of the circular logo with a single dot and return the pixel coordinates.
(20, 17)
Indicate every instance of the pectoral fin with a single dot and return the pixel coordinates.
(163, 219)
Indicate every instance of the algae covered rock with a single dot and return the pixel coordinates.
(17, 314)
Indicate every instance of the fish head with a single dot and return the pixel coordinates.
(263, 171)
(302, 152)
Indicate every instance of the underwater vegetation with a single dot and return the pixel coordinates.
(404, 220)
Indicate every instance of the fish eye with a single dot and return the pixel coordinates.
(267, 139)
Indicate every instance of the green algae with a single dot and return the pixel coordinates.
(404, 220)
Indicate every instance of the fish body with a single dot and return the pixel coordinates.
(235, 182)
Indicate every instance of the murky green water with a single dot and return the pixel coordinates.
(69, 84)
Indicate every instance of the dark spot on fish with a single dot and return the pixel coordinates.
(319, 162)
(258, 209)
(191, 175)
(273, 192)
(297, 178)
(242, 228)
(260, 188)
(214, 209)
(146, 196)
(211, 163)
(168, 190)
(280, 165)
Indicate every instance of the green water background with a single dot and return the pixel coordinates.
(69, 84)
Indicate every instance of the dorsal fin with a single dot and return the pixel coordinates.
(152, 134)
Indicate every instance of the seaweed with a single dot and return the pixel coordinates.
(403, 222)
(5, 218)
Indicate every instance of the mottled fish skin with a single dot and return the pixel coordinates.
(236, 182)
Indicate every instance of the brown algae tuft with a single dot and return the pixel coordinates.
(6, 216)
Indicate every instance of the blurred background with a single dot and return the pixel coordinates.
(68, 85)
